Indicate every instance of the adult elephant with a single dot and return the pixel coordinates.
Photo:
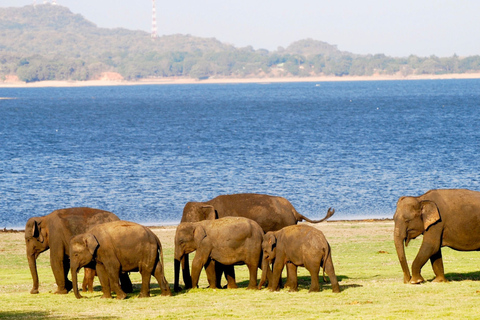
(272, 213)
(446, 218)
(53, 232)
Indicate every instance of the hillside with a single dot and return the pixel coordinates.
(49, 42)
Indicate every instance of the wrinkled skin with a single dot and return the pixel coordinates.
(270, 212)
(116, 247)
(230, 241)
(446, 218)
(294, 246)
(53, 232)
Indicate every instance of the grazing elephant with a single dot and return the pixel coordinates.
(445, 217)
(88, 280)
(116, 247)
(270, 212)
(297, 245)
(53, 232)
(230, 240)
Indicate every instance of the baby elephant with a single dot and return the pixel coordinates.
(115, 247)
(229, 240)
(297, 245)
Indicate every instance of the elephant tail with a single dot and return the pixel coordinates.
(301, 217)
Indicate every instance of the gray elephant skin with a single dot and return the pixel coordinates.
(446, 218)
(116, 247)
(270, 212)
(230, 241)
(53, 232)
(294, 246)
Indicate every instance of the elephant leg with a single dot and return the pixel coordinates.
(230, 276)
(214, 270)
(426, 251)
(277, 274)
(187, 278)
(437, 266)
(330, 271)
(104, 281)
(145, 290)
(66, 269)
(314, 280)
(253, 270)
(291, 282)
(292, 279)
(198, 262)
(58, 269)
(114, 278)
(126, 283)
(159, 274)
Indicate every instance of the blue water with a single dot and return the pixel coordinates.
(142, 152)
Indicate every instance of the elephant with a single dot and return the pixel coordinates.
(88, 278)
(116, 247)
(297, 245)
(272, 213)
(229, 240)
(53, 232)
(446, 218)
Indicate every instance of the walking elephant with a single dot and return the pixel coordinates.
(53, 232)
(270, 212)
(229, 240)
(116, 247)
(297, 245)
(445, 217)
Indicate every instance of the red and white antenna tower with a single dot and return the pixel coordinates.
(154, 20)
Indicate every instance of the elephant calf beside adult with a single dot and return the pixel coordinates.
(272, 213)
(53, 232)
(446, 218)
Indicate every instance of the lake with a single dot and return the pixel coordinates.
(143, 151)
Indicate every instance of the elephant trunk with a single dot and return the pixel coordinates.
(74, 270)
(399, 246)
(182, 260)
(32, 263)
(266, 273)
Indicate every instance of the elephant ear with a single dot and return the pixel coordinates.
(430, 214)
(199, 234)
(271, 240)
(209, 212)
(36, 231)
(91, 243)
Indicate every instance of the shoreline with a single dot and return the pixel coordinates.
(170, 81)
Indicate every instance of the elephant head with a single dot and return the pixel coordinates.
(36, 239)
(83, 248)
(187, 238)
(269, 246)
(198, 211)
(412, 218)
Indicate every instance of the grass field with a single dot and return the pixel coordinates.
(366, 264)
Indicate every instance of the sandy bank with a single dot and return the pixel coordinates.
(165, 81)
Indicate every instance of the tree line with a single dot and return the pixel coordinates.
(47, 42)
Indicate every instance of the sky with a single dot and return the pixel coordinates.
(396, 28)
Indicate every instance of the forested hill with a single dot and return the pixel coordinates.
(49, 42)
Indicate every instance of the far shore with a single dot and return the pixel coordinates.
(173, 80)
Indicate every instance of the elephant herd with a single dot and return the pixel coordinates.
(257, 230)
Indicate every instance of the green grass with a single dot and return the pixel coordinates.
(371, 283)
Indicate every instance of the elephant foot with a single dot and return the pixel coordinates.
(233, 286)
(34, 291)
(122, 295)
(417, 280)
(106, 296)
(440, 279)
(61, 291)
(144, 295)
(68, 285)
(177, 289)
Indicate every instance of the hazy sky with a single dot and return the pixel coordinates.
(392, 27)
